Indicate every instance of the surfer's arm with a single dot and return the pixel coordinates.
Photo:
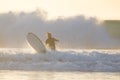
(56, 39)
(46, 42)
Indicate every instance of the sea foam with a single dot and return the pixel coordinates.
(61, 60)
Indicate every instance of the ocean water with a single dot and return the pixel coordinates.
(51, 75)
(25, 64)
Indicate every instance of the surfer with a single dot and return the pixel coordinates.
(50, 42)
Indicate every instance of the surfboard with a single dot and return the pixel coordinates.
(36, 43)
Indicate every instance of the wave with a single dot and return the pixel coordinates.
(62, 60)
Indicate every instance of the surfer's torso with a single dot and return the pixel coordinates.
(51, 43)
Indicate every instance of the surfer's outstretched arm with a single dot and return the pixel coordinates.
(56, 39)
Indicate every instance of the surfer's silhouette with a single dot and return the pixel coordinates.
(50, 42)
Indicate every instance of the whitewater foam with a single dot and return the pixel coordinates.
(67, 60)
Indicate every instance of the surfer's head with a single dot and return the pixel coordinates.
(49, 34)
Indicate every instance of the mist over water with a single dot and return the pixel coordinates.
(74, 32)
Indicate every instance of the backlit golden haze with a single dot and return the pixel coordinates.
(102, 9)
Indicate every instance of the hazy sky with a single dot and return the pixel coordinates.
(102, 9)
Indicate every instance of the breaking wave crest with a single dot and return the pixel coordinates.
(65, 60)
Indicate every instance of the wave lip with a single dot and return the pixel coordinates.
(70, 60)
